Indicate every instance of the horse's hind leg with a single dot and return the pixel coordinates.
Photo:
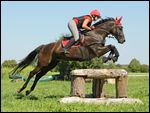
(32, 73)
(43, 71)
(38, 76)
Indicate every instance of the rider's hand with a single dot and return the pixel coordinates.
(92, 27)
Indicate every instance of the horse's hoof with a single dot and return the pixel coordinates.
(27, 92)
(18, 91)
(114, 59)
(105, 59)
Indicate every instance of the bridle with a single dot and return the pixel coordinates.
(108, 32)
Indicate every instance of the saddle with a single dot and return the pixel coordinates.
(67, 39)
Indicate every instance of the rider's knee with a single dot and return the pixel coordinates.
(77, 38)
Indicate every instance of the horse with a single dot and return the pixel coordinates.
(50, 54)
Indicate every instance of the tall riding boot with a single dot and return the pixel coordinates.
(71, 42)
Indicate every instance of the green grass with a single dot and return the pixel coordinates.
(46, 96)
(138, 74)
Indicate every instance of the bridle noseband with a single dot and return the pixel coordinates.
(108, 32)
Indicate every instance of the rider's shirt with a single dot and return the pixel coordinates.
(79, 20)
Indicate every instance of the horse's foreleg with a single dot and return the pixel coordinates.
(32, 73)
(109, 57)
(115, 52)
(103, 50)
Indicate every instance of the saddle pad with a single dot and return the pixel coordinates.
(65, 42)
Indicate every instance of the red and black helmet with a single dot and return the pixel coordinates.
(95, 13)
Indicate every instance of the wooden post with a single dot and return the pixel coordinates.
(78, 86)
(98, 76)
(97, 88)
(121, 87)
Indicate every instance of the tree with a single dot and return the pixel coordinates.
(9, 63)
(110, 65)
(65, 67)
(144, 68)
(134, 65)
(96, 63)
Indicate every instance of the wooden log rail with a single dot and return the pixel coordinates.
(98, 76)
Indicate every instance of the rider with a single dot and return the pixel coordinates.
(82, 22)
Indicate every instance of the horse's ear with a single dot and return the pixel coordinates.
(116, 18)
(120, 19)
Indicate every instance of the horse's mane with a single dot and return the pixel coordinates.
(100, 22)
(104, 20)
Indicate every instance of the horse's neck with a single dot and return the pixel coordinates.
(95, 35)
(90, 39)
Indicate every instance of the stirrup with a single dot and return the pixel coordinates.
(66, 51)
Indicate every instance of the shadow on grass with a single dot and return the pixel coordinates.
(22, 96)
(32, 97)
(54, 96)
(19, 96)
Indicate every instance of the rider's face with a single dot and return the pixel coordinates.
(95, 18)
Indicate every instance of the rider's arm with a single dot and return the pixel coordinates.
(85, 23)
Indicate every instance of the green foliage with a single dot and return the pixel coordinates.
(65, 67)
(110, 65)
(96, 63)
(144, 68)
(134, 65)
(9, 63)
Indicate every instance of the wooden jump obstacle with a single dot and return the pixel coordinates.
(98, 76)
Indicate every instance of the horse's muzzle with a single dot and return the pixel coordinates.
(122, 41)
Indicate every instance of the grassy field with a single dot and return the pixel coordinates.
(46, 96)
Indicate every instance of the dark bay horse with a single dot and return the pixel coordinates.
(93, 46)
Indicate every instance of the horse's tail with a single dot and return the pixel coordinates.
(25, 62)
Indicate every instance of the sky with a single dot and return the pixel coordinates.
(27, 24)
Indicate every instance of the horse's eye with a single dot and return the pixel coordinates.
(120, 27)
